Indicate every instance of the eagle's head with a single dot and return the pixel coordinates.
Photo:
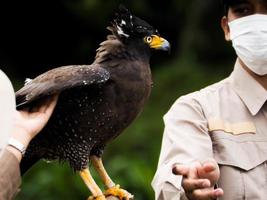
(128, 27)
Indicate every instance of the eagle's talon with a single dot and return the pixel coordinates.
(118, 192)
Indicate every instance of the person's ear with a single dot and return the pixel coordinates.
(225, 27)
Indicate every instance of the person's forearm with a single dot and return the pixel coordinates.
(9, 175)
(15, 152)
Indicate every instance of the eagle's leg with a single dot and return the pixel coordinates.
(91, 184)
(112, 189)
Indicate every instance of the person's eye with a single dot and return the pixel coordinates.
(265, 7)
(242, 10)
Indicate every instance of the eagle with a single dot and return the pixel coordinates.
(96, 102)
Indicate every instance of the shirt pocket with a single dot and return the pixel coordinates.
(237, 144)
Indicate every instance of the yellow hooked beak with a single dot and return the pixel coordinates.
(158, 43)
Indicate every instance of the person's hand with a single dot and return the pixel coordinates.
(199, 180)
(30, 122)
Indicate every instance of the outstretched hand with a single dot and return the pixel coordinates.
(199, 180)
(30, 122)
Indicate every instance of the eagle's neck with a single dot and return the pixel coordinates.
(114, 51)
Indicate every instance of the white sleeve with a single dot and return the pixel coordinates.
(7, 108)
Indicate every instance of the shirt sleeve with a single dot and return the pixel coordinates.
(10, 179)
(185, 140)
(7, 109)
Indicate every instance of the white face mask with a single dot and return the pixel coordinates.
(249, 38)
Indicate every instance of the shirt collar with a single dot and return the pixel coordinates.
(248, 89)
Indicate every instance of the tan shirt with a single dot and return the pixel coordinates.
(226, 121)
(9, 176)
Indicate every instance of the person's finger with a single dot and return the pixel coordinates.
(26, 109)
(190, 185)
(193, 171)
(206, 194)
(209, 167)
(180, 169)
(51, 104)
(47, 104)
(209, 170)
(42, 105)
(35, 107)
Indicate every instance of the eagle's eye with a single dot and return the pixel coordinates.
(148, 39)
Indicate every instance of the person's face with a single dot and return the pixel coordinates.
(240, 9)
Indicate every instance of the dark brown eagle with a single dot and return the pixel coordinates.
(96, 102)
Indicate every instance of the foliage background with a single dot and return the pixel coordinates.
(40, 35)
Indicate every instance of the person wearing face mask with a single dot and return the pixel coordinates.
(215, 140)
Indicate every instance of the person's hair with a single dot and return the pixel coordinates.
(227, 4)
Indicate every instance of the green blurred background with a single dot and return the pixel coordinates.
(40, 35)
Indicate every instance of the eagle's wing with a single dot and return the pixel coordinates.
(59, 79)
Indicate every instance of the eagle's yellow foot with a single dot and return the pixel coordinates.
(118, 192)
(102, 197)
